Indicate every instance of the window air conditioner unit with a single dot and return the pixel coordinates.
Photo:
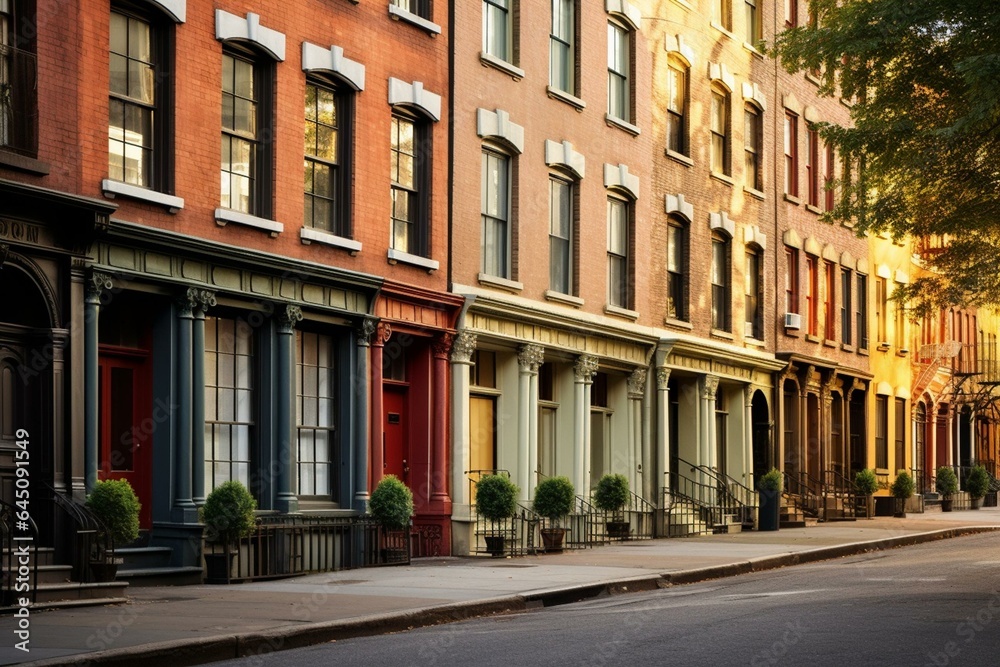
(793, 321)
(748, 330)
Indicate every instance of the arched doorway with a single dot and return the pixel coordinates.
(760, 419)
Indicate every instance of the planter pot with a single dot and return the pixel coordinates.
(899, 508)
(870, 506)
(552, 539)
(946, 504)
(105, 570)
(977, 503)
(768, 515)
(496, 545)
(618, 530)
(218, 567)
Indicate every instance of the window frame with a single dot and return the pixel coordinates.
(340, 222)
(829, 164)
(501, 267)
(899, 413)
(881, 432)
(792, 280)
(678, 85)
(677, 277)
(812, 295)
(861, 311)
(720, 137)
(754, 23)
(791, 147)
(19, 41)
(333, 455)
(830, 300)
(722, 14)
(568, 42)
(620, 79)
(417, 244)
(753, 292)
(492, 42)
(881, 307)
(421, 8)
(623, 259)
(812, 166)
(791, 13)
(721, 291)
(753, 124)
(846, 304)
(570, 242)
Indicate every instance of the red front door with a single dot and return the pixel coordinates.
(126, 424)
(395, 444)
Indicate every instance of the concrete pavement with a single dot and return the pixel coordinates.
(196, 624)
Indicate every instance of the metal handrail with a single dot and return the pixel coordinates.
(92, 539)
(836, 485)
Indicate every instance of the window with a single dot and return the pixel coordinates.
(846, 280)
(619, 90)
(720, 134)
(720, 283)
(408, 174)
(327, 170)
(812, 289)
(229, 400)
(900, 415)
(18, 78)
(677, 93)
(861, 312)
(828, 185)
(315, 414)
(791, 155)
(792, 280)
(880, 311)
(812, 166)
(677, 269)
(830, 301)
(136, 134)
(562, 49)
(753, 22)
(882, 432)
(722, 13)
(561, 216)
(421, 8)
(618, 253)
(752, 142)
(497, 29)
(246, 159)
(753, 295)
(899, 326)
(496, 214)
(791, 13)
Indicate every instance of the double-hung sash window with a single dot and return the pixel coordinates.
(721, 283)
(791, 137)
(861, 312)
(562, 58)
(676, 269)
(406, 173)
(421, 8)
(677, 81)
(132, 107)
(753, 22)
(792, 280)
(812, 296)
(561, 236)
(720, 132)
(619, 92)
(618, 252)
(846, 282)
(496, 28)
(812, 166)
(325, 177)
(830, 301)
(753, 292)
(752, 142)
(315, 412)
(229, 400)
(241, 111)
(496, 214)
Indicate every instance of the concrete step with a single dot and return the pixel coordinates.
(77, 591)
(40, 556)
(137, 558)
(160, 576)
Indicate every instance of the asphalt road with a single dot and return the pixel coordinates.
(933, 604)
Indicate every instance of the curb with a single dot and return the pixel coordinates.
(186, 652)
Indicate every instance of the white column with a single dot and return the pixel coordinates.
(710, 390)
(932, 419)
(529, 358)
(748, 392)
(663, 429)
(583, 369)
(649, 483)
(461, 363)
(952, 422)
(636, 389)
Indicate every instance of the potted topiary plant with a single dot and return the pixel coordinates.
(902, 488)
(769, 487)
(496, 500)
(116, 507)
(554, 500)
(946, 483)
(611, 495)
(866, 482)
(977, 484)
(391, 506)
(228, 515)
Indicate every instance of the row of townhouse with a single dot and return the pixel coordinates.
(306, 245)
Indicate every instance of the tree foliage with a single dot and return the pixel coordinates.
(923, 81)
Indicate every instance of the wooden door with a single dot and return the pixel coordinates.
(395, 442)
(482, 433)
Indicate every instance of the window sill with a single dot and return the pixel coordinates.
(396, 256)
(883, 347)
(23, 163)
(225, 215)
(863, 351)
(719, 176)
(792, 333)
(309, 234)
(399, 14)
(814, 209)
(568, 299)
(618, 311)
(902, 352)
(718, 26)
(726, 335)
(846, 347)
(114, 188)
(622, 125)
(754, 342)
(829, 343)
(757, 194)
(489, 60)
(678, 324)
(565, 97)
(753, 49)
(679, 157)
(684, 4)
(501, 283)
(792, 199)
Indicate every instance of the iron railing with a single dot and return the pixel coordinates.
(515, 536)
(690, 509)
(14, 547)
(842, 493)
(799, 496)
(735, 497)
(18, 104)
(89, 540)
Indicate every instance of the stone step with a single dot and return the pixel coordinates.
(137, 558)
(77, 591)
(160, 576)
(40, 556)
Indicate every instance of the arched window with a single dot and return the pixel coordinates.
(677, 268)
(677, 106)
(721, 282)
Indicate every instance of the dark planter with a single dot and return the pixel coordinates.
(899, 508)
(768, 514)
(977, 503)
(105, 570)
(870, 506)
(218, 567)
(946, 504)
(496, 545)
(618, 530)
(552, 539)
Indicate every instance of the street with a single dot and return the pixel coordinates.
(933, 604)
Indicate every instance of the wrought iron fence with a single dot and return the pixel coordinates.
(840, 496)
(88, 540)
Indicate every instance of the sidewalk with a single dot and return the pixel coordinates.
(196, 624)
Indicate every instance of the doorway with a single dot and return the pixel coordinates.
(395, 434)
